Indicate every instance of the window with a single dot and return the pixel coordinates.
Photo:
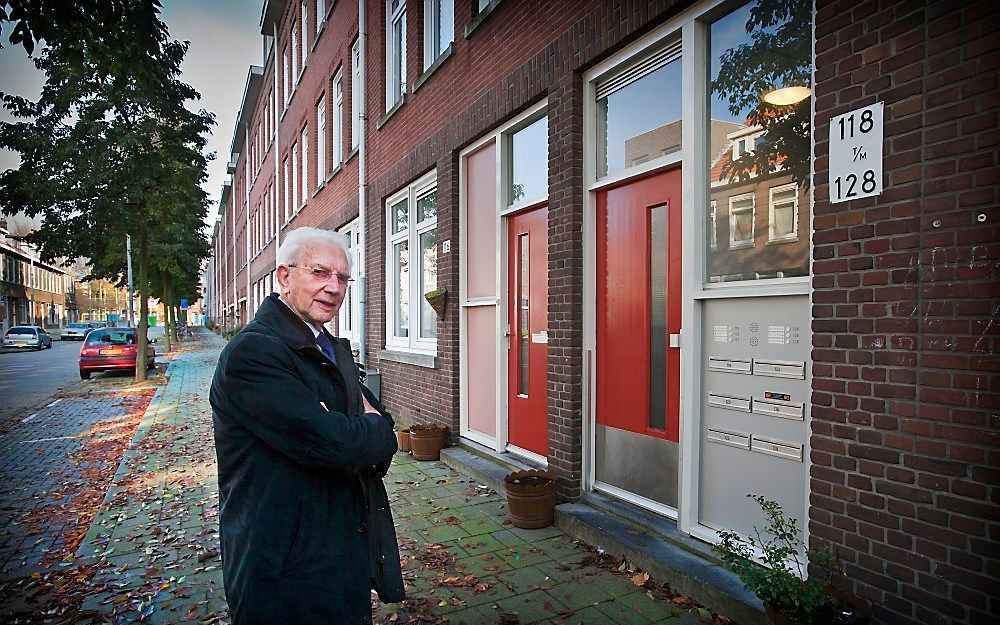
(338, 120)
(439, 28)
(395, 56)
(320, 14)
(304, 144)
(321, 141)
(287, 185)
(288, 77)
(411, 220)
(348, 319)
(483, 4)
(294, 43)
(639, 112)
(295, 177)
(528, 179)
(355, 95)
(783, 213)
(741, 217)
(305, 34)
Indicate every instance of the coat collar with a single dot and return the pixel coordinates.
(274, 314)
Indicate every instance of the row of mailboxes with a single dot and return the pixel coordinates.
(760, 444)
(757, 366)
(766, 406)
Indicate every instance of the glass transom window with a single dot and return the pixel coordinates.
(529, 164)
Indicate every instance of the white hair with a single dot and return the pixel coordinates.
(290, 250)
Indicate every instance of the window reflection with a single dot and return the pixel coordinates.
(529, 175)
(759, 152)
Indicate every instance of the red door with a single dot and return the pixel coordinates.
(527, 316)
(639, 305)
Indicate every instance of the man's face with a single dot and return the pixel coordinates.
(316, 300)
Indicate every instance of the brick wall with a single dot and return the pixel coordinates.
(532, 50)
(905, 390)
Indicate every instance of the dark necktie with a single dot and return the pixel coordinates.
(326, 346)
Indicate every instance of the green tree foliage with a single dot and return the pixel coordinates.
(107, 153)
(779, 54)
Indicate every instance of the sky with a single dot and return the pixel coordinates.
(225, 41)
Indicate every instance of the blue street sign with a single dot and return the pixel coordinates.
(184, 304)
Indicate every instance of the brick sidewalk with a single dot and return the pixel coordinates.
(154, 544)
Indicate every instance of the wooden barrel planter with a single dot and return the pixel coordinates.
(403, 439)
(531, 498)
(427, 440)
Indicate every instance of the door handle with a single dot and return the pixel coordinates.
(675, 340)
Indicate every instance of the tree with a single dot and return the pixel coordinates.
(105, 154)
(779, 53)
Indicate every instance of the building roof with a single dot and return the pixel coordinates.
(251, 92)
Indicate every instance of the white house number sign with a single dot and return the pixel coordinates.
(856, 154)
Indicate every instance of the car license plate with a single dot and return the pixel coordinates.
(20, 342)
(110, 352)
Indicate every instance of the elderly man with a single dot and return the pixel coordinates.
(302, 447)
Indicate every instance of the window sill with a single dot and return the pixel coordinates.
(741, 246)
(319, 188)
(350, 155)
(428, 361)
(388, 114)
(336, 170)
(322, 27)
(438, 62)
(480, 18)
(782, 240)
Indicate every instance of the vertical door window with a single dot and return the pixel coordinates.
(426, 218)
(657, 317)
(523, 309)
(639, 112)
(528, 179)
(760, 69)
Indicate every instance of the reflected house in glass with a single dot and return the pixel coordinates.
(755, 219)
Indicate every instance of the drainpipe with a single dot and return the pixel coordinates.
(362, 188)
(275, 118)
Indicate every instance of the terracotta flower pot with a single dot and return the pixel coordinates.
(403, 438)
(531, 498)
(427, 440)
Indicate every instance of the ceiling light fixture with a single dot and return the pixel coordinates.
(786, 95)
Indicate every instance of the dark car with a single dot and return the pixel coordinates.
(27, 337)
(111, 349)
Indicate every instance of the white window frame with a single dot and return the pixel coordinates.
(432, 28)
(321, 141)
(794, 234)
(355, 94)
(294, 41)
(288, 187)
(394, 89)
(349, 316)
(320, 15)
(412, 343)
(304, 156)
(288, 76)
(338, 119)
(305, 34)
(737, 245)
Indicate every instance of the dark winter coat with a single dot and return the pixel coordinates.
(305, 524)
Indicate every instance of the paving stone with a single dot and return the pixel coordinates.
(533, 606)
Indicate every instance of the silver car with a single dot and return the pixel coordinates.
(76, 331)
(27, 337)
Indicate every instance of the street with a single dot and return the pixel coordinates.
(29, 378)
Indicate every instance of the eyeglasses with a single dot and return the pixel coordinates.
(322, 274)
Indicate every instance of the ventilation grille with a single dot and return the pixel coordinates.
(639, 70)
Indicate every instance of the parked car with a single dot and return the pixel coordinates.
(76, 331)
(27, 337)
(110, 349)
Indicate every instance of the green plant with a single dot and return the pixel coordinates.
(434, 293)
(781, 582)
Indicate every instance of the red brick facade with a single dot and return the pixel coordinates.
(903, 447)
(906, 297)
